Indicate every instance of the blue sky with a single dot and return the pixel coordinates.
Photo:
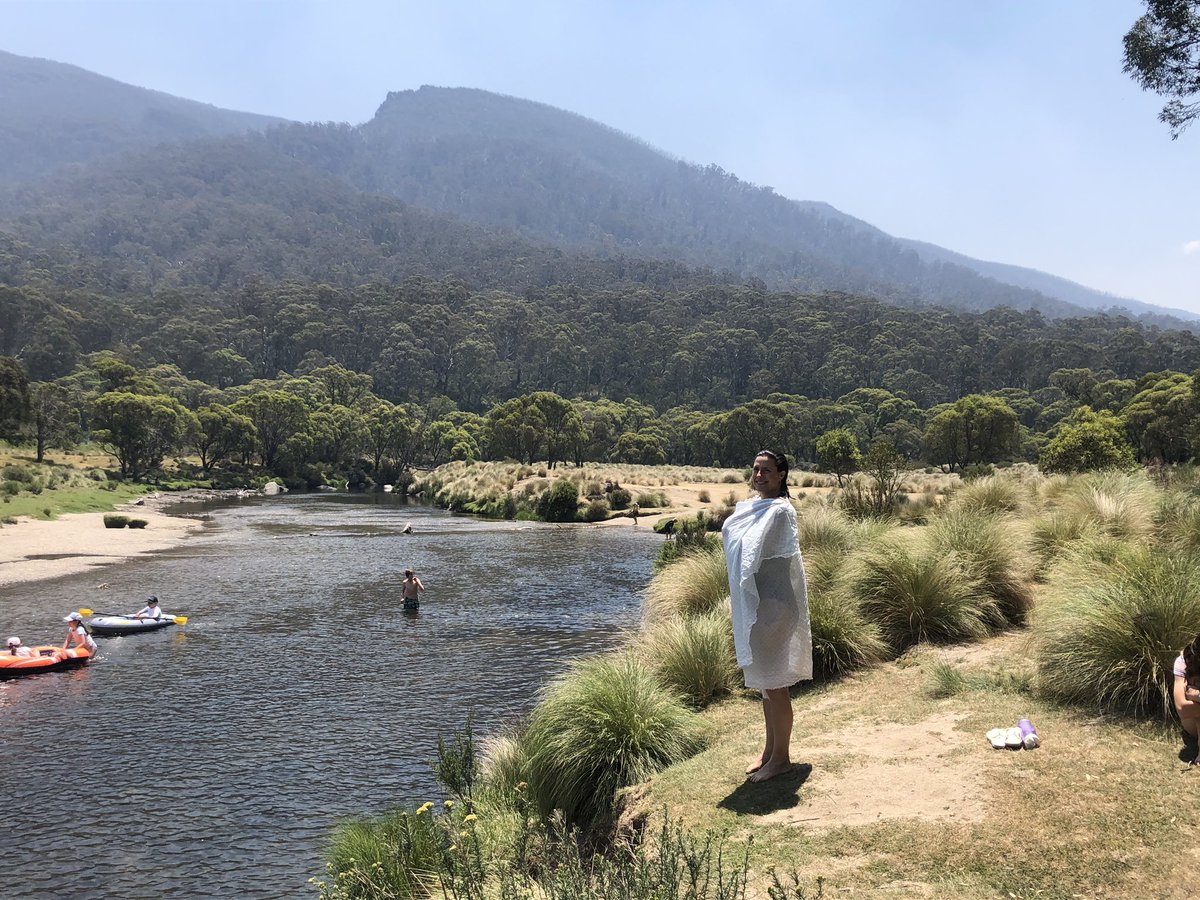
(1003, 129)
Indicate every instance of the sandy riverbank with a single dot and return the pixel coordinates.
(37, 549)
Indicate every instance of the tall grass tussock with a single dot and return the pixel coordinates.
(914, 595)
(606, 724)
(1108, 633)
(692, 585)
(693, 656)
(994, 551)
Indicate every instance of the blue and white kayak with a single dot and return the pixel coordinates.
(110, 626)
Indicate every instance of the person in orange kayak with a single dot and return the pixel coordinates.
(76, 631)
(16, 648)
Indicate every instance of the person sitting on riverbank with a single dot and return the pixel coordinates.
(16, 648)
(151, 610)
(1187, 699)
(77, 632)
(412, 590)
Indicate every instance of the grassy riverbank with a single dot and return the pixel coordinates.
(63, 483)
(1064, 600)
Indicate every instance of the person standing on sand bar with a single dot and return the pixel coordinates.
(769, 602)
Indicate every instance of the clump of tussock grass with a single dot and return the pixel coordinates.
(397, 854)
(994, 551)
(1051, 534)
(824, 527)
(606, 724)
(843, 639)
(993, 493)
(945, 681)
(915, 595)
(505, 767)
(1107, 635)
(693, 584)
(1177, 521)
(1120, 504)
(693, 657)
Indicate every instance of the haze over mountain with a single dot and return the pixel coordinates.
(514, 167)
(53, 114)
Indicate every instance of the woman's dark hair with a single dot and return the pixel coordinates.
(781, 463)
(1191, 658)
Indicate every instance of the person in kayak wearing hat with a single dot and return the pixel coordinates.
(80, 634)
(151, 610)
(16, 648)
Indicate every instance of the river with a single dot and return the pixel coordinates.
(212, 760)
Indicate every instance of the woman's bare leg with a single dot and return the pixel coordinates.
(765, 756)
(777, 708)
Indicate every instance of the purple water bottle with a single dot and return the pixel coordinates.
(1029, 737)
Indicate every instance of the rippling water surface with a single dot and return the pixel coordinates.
(212, 760)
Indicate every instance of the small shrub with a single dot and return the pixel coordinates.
(734, 478)
(561, 502)
(704, 497)
(12, 488)
(114, 521)
(17, 473)
(652, 500)
(8, 520)
(138, 523)
(605, 725)
(47, 512)
(597, 511)
(619, 498)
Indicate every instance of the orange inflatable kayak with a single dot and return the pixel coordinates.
(44, 659)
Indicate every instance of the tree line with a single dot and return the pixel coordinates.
(328, 424)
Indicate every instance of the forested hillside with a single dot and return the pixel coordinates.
(53, 115)
(526, 172)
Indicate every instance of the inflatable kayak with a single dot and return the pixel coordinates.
(44, 659)
(110, 626)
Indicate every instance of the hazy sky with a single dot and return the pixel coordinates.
(1003, 129)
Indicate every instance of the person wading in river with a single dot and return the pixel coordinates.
(412, 590)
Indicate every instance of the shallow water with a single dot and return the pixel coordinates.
(213, 759)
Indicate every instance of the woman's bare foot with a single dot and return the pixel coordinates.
(757, 764)
(770, 769)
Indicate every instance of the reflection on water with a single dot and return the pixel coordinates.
(212, 759)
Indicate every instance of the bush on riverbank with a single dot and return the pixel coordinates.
(606, 724)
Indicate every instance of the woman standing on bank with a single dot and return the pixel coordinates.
(769, 602)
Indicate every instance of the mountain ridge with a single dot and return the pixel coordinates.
(548, 175)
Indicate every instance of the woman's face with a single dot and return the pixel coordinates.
(765, 477)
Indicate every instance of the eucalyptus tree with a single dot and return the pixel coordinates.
(140, 429)
(221, 434)
(278, 416)
(837, 452)
(1162, 54)
(1087, 439)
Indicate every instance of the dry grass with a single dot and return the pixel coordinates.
(906, 799)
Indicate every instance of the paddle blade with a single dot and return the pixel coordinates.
(181, 620)
(85, 612)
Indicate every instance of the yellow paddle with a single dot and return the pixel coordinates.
(178, 620)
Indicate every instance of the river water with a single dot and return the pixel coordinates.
(212, 760)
